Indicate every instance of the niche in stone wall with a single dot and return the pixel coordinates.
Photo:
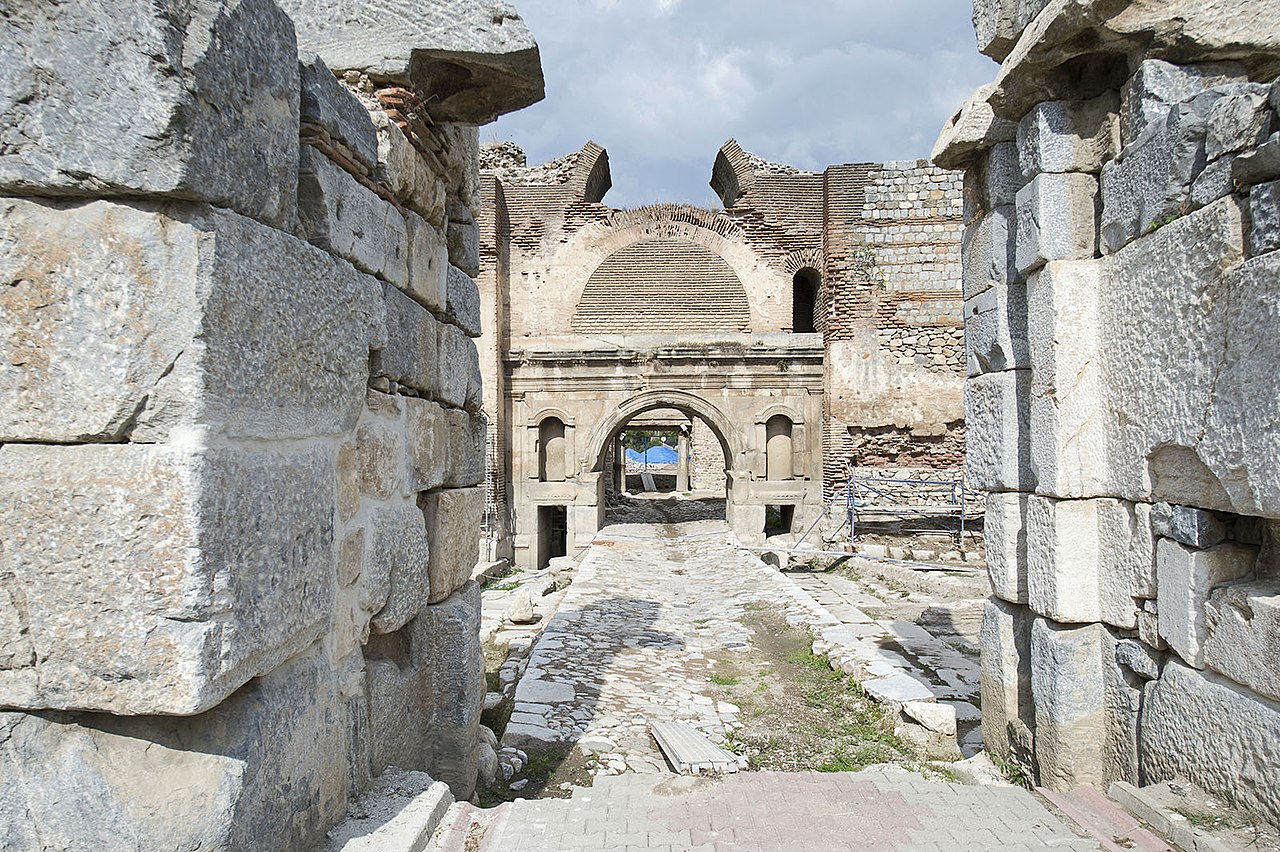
(551, 450)
(778, 459)
(804, 300)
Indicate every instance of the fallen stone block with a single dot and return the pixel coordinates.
(1005, 535)
(205, 570)
(1213, 733)
(1057, 220)
(399, 812)
(463, 308)
(453, 528)
(346, 218)
(1069, 136)
(331, 105)
(194, 272)
(1070, 707)
(478, 61)
(939, 718)
(995, 330)
(1242, 626)
(196, 102)
(265, 769)
(997, 416)
(1186, 579)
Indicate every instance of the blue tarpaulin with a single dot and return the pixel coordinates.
(660, 454)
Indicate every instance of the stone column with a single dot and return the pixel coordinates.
(682, 465)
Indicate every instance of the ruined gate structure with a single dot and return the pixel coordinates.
(813, 321)
(240, 433)
(1122, 304)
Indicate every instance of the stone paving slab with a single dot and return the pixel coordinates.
(869, 810)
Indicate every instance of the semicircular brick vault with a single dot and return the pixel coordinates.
(660, 286)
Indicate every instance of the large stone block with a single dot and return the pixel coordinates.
(993, 181)
(1070, 699)
(427, 429)
(1215, 734)
(1186, 579)
(987, 251)
(448, 634)
(154, 580)
(395, 585)
(1005, 535)
(1238, 121)
(331, 105)
(401, 167)
(1057, 220)
(1187, 524)
(1264, 218)
(459, 366)
(380, 448)
(453, 528)
(466, 448)
(1122, 697)
(464, 243)
(997, 419)
(995, 330)
(1242, 622)
(192, 101)
(1089, 560)
(1008, 710)
(429, 270)
(969, 132)
(464, 302)
(265, 769)
(346, 218)
(1069, 136)
(477, 60)
(1068, 384)
(127, 320)
(411, 356)
(1154, 89)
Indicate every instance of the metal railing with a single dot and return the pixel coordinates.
(875, 497)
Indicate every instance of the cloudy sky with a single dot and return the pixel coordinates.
(662, 83)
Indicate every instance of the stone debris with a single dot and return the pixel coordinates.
(689, 751)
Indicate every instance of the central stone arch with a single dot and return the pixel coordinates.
(731, 439)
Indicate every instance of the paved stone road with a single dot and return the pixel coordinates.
(631, 643)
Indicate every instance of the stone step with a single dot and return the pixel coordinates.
(1113, 828)
(689, 751)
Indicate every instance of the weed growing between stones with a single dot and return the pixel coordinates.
(548, 774)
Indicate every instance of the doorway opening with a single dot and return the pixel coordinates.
(553, 533)
(778, 519)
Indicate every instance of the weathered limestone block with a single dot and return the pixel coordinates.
(1187, 577)
(987, 249)
(199, 102)
(1169, 303)
(448, 634)
(459, 366)
(453, 528)
(1215, 734)
(94, 347)
(401, 810)
(428, 263)
(995, 330)
(1122, 696)
(380, 448)
(1259, 165)
(461, 160)
(1071, 715)
(992, 181)
(1242, 622)
(1005, 534)
(1139, 658)
(1241, 444)
(411, 355)
(997, 416)
(1087, 560)
(1008, 712)
(969, 132)
(464, 302)
(1069, 136)
(1214, 182)
(1264, 216)
(395, 584)
(464, 242)
(265, 769)
(1057, 220)
(999, 23)
(466, 448)
(343, 217)
(1152, 91)
(331, 105)
(1187, 524)
(197, 572)
(1068, 390)
(427, 431)
(1239, 120)
(401, 167)
(477, 60)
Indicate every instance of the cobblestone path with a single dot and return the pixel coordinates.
(632, 642)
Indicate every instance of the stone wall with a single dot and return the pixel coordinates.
(240, 439)
(1122, 293)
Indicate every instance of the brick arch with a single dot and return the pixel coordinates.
(731, 439)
